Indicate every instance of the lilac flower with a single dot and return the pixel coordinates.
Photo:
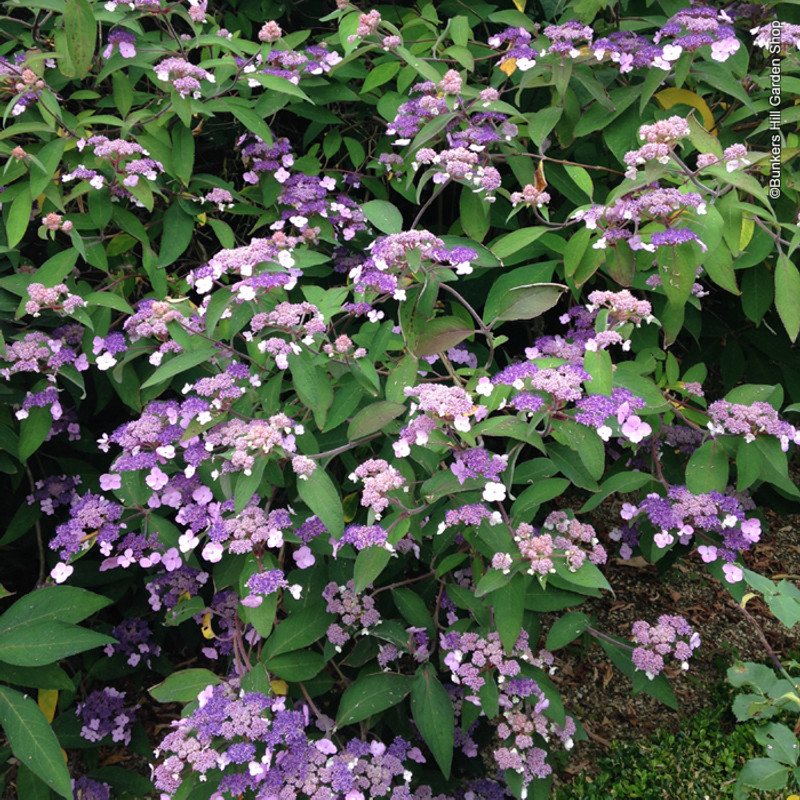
(733, 573)
(53, 492)
(671, 636)
(166, 590)
(92, 518)
(184, 76)
(353, 610)
(303, 557)
(379, 479)
(635, 429)
(103, 713)
(266, 583)
(84, 788)
(363, 536)
(476, 463)
(122, 39)
(135, 640)
(750, 421)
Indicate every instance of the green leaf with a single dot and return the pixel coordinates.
(313, 386)
(528, 501)
(371, 694)
(780, 742)
(370, 562)
(299, 665)
(184, 686)
(182, 157)
(46, 641)
(276, 83)
(622, 482)
(580, 177)
(784, 607)
(122, 779)
(33, 430)
(566, 629)
(413, 609)
(620, 263)
(247, 485)
(81, 31)
(423, 68)
(764, 774)
(474, 214)
(528, 301)
(261, 617)
(787, 295)
(508, 281)
(107, 300)
(122, 92)
(298, 630)
(599, 116)
(17, 218)
(542, 122)
(585, 442)
(30, 786)
(180, 363)
(32, 740)
(719, 266)
(493, 580)
(574, 251)
(432, 711)
(598, 364)
(510, 243)
(373, 418)
(570, 465)
(63, 603)
(383, 215)
(774, 465)
(588, 576)
(707, 469)
(178, 228)
(379, 75)
(45, 166)
(508, 603)
(50, 676)
(758, 292)
(321, 496)
(439, 335)
(403, 375)
(252, 122)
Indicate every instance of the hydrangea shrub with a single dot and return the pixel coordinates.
(325, 337)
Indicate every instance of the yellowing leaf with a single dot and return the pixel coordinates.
(520, 4)
(670, 97)
(48, 700)
(279, 687)
(540, 183)
(509, 66)
(748, 226)
(207, 630)
(202, 218)
(746, 598)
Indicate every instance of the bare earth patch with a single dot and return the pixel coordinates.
(600, 696)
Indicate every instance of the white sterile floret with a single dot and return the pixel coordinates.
(494, 492)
